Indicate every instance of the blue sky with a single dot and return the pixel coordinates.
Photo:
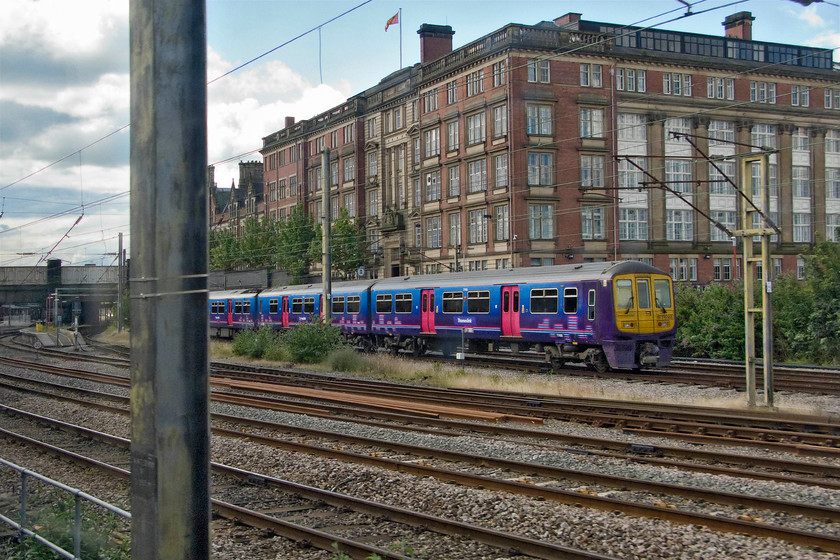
(64, 84)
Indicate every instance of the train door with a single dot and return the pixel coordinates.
(510, 311)
(427, 311)
(285, 312)
(230, 312)
(643, 299)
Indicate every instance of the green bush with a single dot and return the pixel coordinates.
(347, 360)
(254, 343)
(311, 342)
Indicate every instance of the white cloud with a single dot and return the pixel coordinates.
(809, 15)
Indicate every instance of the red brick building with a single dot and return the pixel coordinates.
(550, 144)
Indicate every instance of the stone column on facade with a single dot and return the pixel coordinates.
(655, 165)
(701, 177)
(784, 174)
(817, 147)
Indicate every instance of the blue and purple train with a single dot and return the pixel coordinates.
(605, 314)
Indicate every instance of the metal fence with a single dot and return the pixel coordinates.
(79, 497)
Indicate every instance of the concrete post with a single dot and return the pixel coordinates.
(169, 369)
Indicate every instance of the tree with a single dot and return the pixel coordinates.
(224, 250)
(294, 242)
(347, 245)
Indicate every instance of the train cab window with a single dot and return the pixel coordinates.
(402, 303)
(570, 301)
(273, 306)
(237, 307)
(590, 305)
(383, 303)
(624, 294)
(297, 305)
(544, 300)
(662, 293)
(354, 304)
(337, 304)
(309, 305)
(453, 302)
(643, 293)
(478, 301)
(246, 307)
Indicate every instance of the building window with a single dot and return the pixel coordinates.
(538, 71)
(630, 176)
(592, 223)
(674, 83)
(832, 142)
(799, 139)
(801, 228)
(430, 101)
(538, 119)
(628, 79)
(453, 137)
(452, 92)
(499, 121)
(281, 189)
(499, 74)
(832, 182)
(632, 127)
(349, 133)
(500, 170)
(633, 224)
(349, 169)
(801, 178)
(721, 133)
(350, 204)
(432, 186)
(718, 183)
(293, 185)
(591, 75)
(475, 128)
(591, 123)
(477, 176)
(433, 232)
(373, 164)
(416, 150)
(502, 217)
(723, 270)
(725, 218)
(455, 180)
(679, 225)
(678, 175)
(684, 270)
(800, 96)
(272, 191)
(334, 173)
(540, 221)
(762, 92)
(478, 226)
(475, 83)
(763, 135)
(373, 203)
(431, 142)
(720, 88)
(455, 229)
(832, 227)
(592, 172)
(540, 168)
(372, 128)
(832, 98)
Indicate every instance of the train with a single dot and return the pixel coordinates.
(616, 315)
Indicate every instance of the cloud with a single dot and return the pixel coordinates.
(809, 15)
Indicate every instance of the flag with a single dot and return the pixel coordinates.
(393, 20)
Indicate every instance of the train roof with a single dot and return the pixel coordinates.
(227, 294)
(557, 273)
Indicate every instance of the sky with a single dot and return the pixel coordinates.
(64, 88)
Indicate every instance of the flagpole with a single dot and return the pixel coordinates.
(400, 38)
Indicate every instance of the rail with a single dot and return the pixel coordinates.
(78, 496)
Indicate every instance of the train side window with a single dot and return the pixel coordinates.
(246, 307)
(662, 293)
(624, 294)
(402, 303)
(337, 304)
(544, 300)
(273, 306)
(590, 305)
(570, 301)
(297, 305)
(453, 302)
(383, 303)
(217, 307)
(478, 301)
(237, 307)
(354, 304)
(309, 305)
(643, 293)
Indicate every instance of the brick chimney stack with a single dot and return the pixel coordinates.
(289, 122)
(571, 19)
(739, 26)
(435, 41)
